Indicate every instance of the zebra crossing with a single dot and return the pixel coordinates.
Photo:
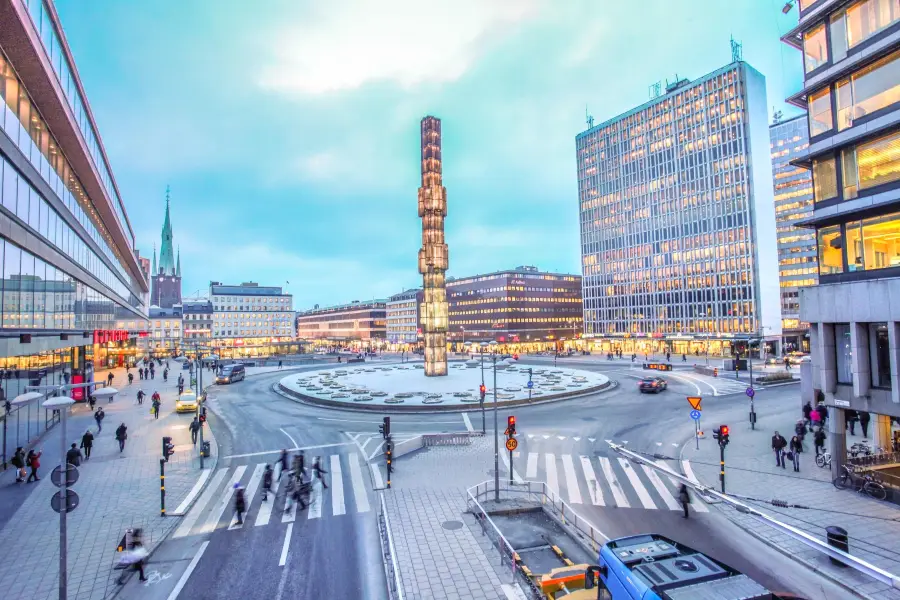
(347, 493)
(603, 481)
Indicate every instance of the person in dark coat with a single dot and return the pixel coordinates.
(195, 430)
(283, 461)
(267, 482)
(87, 442)
(685, 498)
(807, 410)
(98, 416)
(240, 504)
(850, 419)
(121, 436)
(823, 412)
(864, 418)
(796, 448)
(819, 440)
(74, 456)
(800, 432)
(18, 461)
(319, 471)
(778, 446)
(109, 379)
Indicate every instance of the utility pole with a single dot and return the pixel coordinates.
(201, 399)
(496, 438)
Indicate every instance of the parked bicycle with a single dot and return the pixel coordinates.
(867, 483)
(824, 459)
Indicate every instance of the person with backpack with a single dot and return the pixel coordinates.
(18, 461)
(34, 463)
(157, 402)
(87, 442)
(240, 504)
(98, 416)
(74, 456)
(121, 436)
(800, 431)
(130, 378)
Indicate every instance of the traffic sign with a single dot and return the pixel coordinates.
(694, 401)
(750, 392)
(71, 475)
(530, 385)
(71, 500)
(512, 444)
(695, 415)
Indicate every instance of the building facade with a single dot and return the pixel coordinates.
(796, 247)
(197, 322)
(251, 320)
(524, 307)
(677, 220)
(166, 331)
(71, 279)
(165, 289)
(851, 57)
(404, 327)
(357, 325)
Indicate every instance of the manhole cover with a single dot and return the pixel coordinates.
(451, 525)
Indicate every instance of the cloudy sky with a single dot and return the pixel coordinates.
(288, 129)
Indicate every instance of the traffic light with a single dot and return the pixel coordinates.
(385, 428)
(483, 391)
(203, 415)
(168, 448)
(721, 434)
(510, 425)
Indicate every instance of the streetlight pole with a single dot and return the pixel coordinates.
(62, 404)
(496, 438)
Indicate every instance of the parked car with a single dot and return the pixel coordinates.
(652, 384)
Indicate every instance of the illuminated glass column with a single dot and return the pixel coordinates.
(433, 256)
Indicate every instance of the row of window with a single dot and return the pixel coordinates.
(867, 165)
(849, 28)
(860, 245)
(620, 324)
(879, 354)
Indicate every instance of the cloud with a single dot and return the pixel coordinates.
(353, 42)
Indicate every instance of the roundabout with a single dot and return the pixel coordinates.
(404, 387)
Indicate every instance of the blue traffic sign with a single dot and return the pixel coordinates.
(695, 415)
(530, 384)
(751, 392)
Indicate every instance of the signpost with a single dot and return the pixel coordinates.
(65, 500)
(695, 402)
(750, 393)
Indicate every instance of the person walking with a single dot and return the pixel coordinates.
(91, 400)
(283, 461)
(122, 435)
(787, 363)
(850, 419)
(815, 419)
(87, 442)
(319, 471)
(819, 440)
(152, 372)
(823, 412)
(195, 430)
(267, 482)
(18, 461)
(800, 432)
(130, 378)
(684, 498)
(74, 455)
(99, 416)
(864, 418)
(156, 405)
(240, 504)
(807, 410)
(796, 448)
(34, 463)
(778, 445)
(109, 379)
(165, 375)
(684, 357)
(140, 396)
(668, 356)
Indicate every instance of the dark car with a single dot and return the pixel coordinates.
(652, 384)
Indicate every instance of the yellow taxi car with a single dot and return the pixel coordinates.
(186, 402)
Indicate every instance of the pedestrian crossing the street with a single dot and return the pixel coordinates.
(347, 494)
(603, 481)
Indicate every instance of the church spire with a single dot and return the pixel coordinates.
(154, 273)
(178, 264)
(166, 255)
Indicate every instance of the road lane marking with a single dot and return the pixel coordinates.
(188, 572)
(635, 481)
(252, 486)
(376, 477)
(571, 479)
(591, 478)
(531, 468)
(286, 545)
(468, 423)
(194, 514)
(294, 449)
(265, 509)
(689, 473)
(693, 382)
(376, 450)
(363, 446)
(293, 441)
(505, 456)
(204, 475)
(359, 487)
(661, 488)
(216, 515)
(550, 465)
(316, 497)
(417, 423)
(614, 485)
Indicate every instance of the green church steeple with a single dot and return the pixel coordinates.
(166, 253)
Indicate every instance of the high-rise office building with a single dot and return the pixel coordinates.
(796, 247)
(677, 220)
(362, 322)
(851, 60)
(73, 290)
(251, 320)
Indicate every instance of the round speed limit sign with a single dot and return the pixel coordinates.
(512, 444)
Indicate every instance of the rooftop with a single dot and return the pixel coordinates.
(355, 305)
(248, 288)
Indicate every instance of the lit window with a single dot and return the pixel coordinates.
(815, 49)
(830, 250)
(820, 112)
(824, 179)
(871, 89)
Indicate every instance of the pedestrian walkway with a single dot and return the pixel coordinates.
(116, 491)
(750, 471)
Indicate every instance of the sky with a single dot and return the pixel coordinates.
(288, 130)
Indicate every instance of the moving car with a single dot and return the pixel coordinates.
(795, 358)
(652, 384)
(230, 374)
(186, 402)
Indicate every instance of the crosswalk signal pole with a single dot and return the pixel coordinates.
(388, 451)
(162, 487)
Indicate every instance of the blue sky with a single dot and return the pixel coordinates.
(288, 129)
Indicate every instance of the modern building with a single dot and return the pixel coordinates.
(678, 221)
(198, 322)
(522, 308)
(251, 320)
(796, 247)
(71, 279)
(166, 281)
(404, 327)
(357, 325)
(166, 331)
(851, 58)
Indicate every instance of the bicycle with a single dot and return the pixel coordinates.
(824, 459)
(867, 483)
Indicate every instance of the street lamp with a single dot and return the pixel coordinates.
(62, 404)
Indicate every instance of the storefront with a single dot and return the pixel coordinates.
(116, 348)
(257, 347)
(659, 344)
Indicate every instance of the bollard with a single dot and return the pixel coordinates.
(837, 538)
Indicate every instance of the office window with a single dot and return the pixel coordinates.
(820, 112)
(865, 19)
(870, 89)
(830, 243)
(878, 161)
(815, 49)
(824, 179)
(879, 355)
(843, 354)
(849, 173)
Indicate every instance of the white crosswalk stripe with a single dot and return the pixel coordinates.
(190, 519)
(661, 488)
(265, 509)
(614, 486)
(552, 482)
(532, 466)
(592, 483)
(359, 487)
(635, 481)
(224, 502)
(505, 457)
(315, 502)
(571, 479)
(337, 486)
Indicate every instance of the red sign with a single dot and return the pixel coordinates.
(104, 336)
(78, 393)
(238, 342)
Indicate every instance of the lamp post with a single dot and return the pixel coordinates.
(496, 433)
(62, 404)
(463, 336)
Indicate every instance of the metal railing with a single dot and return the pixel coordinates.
(391, 571)
(22, 424)
(447, 439)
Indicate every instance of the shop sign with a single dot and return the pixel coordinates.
(238, 342)
(104, 336)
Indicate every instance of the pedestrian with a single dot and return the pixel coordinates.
(815, 419)
(796, 448)
(91, 400)
(140, 396)
(807, 410)
(138, 552)
(668, 356)
(87, 442)
(864, 419)
(180, 389)
(685, 498)
(684, 357)
(299, 466)
(319, 471)
(267, 481)
(823, 412)
(152, 372)
(240, 504)
(18, 461)
(34, 463)
(800, 432)
(109, 379)
(283, 461)
(122, 435)
(98, 416)
(74, 455)
(195, 430)
(279, 365)
(819, 441)
(156, 405)
(165, 375)
(850, 419)
(778, 445)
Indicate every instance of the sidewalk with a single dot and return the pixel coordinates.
(116, 491)
(750, 470)
(440, 549)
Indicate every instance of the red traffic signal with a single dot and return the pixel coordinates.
(510, 425)
(723, 430)
(482, 389)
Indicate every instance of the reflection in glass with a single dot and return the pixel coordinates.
(830, 245)
(815, 48)
(824, 179)
(843, 353)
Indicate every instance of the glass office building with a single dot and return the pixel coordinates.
(70, 273)
(796, 247)
(677, 220)
(357, 325)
